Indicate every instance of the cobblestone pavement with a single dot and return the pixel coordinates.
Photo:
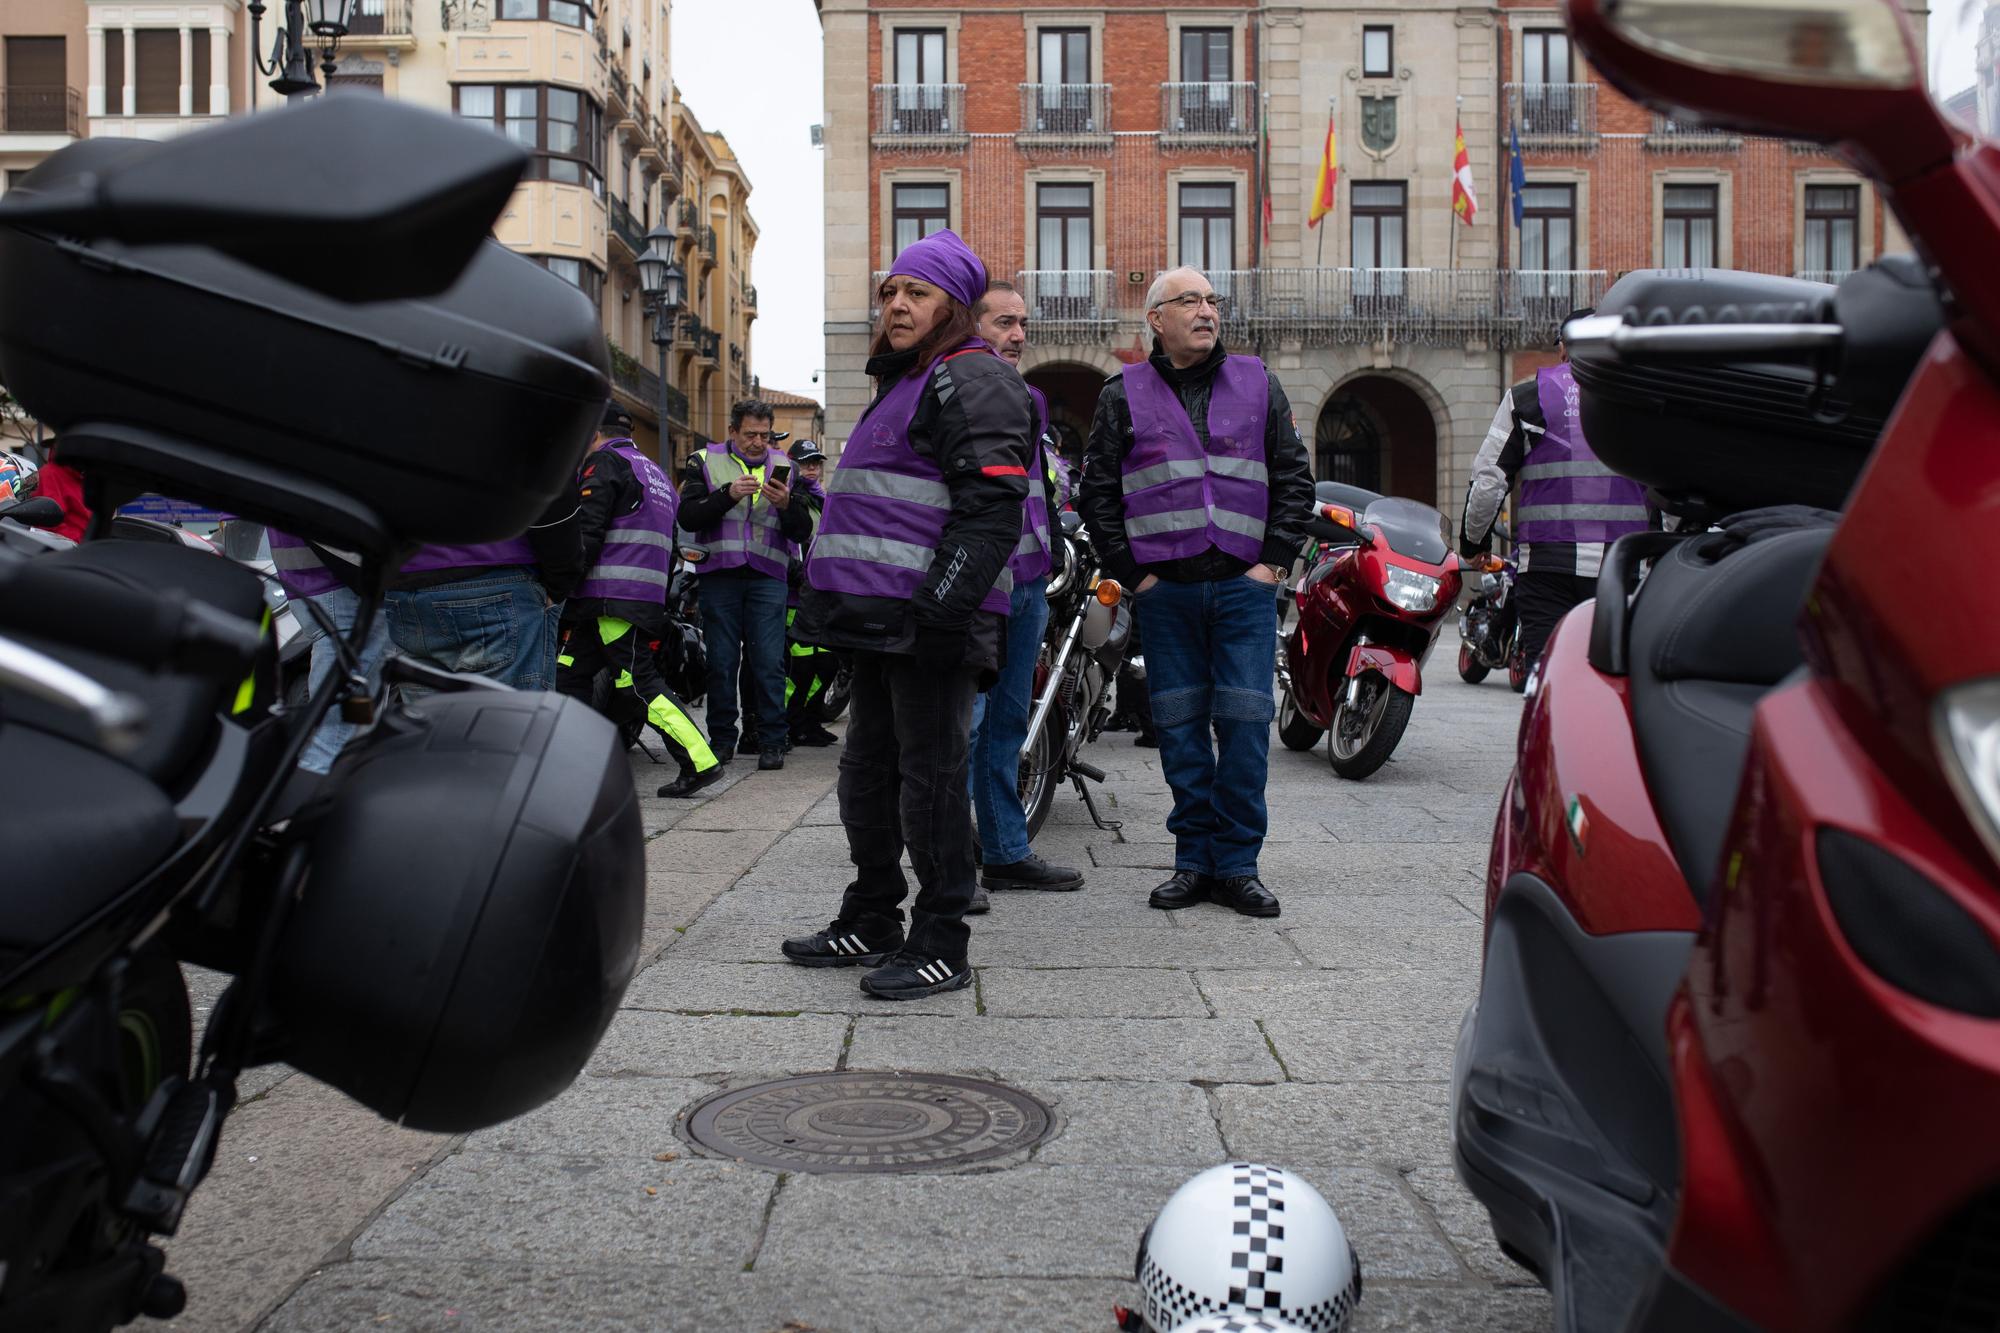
(1164, 1042)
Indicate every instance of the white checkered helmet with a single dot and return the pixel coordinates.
(1238, 1323)
(1245, 1239)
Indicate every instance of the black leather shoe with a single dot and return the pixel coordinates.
(749, 744)
(1146, 740)
(1186, 889)
(1032, 872)
(771, 759)
(690, 782)
(1246, 894)
(814, 737)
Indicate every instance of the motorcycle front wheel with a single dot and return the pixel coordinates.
(1366, 733)
(1295, 729)
(1470, 669)
(1039, 777)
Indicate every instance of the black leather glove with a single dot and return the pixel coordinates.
(940, 649)
(1473, 550)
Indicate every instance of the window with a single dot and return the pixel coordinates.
(917, 211)
(156, 55)
(1208, 230)
(37, 84)
(1062, 97)
(1378, 53)
(1548, 97)
(920, 90)
(1205, 55)
(570, 12)
(199, 75)
(562, 127)
(1833, 229)
(1205, 105)
(1063, 218)
(1547, 281)
(1065, 55)
(114, 71)
(577, 273)
(1380, 210)
(1545, 56)
(1690, 222)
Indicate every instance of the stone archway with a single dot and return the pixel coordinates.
(1378, 432)
(1072, 390)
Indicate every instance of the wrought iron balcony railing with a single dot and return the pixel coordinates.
(1069, 305)
(749, 296)
(1553, 115)
(709, 345)
(378, 18)
(1671, 135)
(1833, 275)
(625, 228)
(34, 109)
(633, 377)
(1534, 302)
(1193, 114)
(1066, 113)
(920, 115)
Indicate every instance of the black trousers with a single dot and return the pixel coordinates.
(1542, 600)
(903, 783)
(625, 650)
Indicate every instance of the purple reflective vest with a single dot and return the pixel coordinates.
(485, 555)
(638, 554)
(887, 506)
(299, 570)
(1181, 499)
(751, 533)
(1567, 496)
(1031, 559)
(813, 491)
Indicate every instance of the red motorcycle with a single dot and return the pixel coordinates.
(1380, 579)
(1735, 1061)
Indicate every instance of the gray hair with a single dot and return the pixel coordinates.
(1158, 291)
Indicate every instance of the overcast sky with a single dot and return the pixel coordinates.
(751, 69)
(1952, 43)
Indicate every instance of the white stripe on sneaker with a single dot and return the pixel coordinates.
(928, 973)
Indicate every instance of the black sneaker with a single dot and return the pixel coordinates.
(1032, 872)
(814, 737)
(841, 945)
(770, 759)
(690, 782)
(912, 976)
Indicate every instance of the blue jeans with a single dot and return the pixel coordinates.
(341, 605)
(492, 622)
(1211, 650)
(1000, 725)
(744, 613)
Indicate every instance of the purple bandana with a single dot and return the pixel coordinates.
(947, 263)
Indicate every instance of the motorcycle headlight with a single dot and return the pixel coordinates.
(1410, 590)
(1967, 729)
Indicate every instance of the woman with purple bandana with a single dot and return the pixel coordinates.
(909, 573)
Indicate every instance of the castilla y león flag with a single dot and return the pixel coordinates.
(1463, 201)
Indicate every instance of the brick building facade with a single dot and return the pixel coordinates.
(1081, 149)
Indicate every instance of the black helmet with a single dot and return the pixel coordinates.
(805, 451)
(616, 420)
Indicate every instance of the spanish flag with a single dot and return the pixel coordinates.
(1463, 201)
(1329, 176)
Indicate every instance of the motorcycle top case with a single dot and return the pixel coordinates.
(1729, 434)
(455, 418)
(473, 910)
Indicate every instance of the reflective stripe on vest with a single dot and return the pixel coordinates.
(299, 570)
(750, 532)
(887, 506)
(1032, 558)
(636, 562)
(1182, 498)
(1567, 495)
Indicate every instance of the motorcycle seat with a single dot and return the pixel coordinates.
(89, 828)
(1713, 632)
(180, 708)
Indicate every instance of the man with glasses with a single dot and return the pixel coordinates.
(736, 500)
(1197, 490)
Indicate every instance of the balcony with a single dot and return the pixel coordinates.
(625, 228)
(677, 406)
(1553, 115)
(1534, 302)
(53, 111)
(1669, 135)
(708, 345)
(690, 217)
(708, 242)
(621, 90)
(380, 23)
(634, 379)
(1832, 275)
(1069, 305)
(1194, 115)
(920, 115)
(1066, 114)
(749, 296)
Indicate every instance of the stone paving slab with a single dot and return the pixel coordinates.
(654, 1044)
(630, 1118)
(1394, 1125)
(1465, 1221)
(1315, 1050)
(1205, 937)
(1101, 1123)
(1177, 1049)
(1011, 992)
(1387, 996)
(697, 986)
(1377, 945)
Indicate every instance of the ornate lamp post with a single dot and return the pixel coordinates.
(665, 289)
(289, 67)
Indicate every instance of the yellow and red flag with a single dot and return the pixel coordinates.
(1464, 202)
(1329, 177)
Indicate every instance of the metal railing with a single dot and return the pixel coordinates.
(633, 377)
(1669, 134)
(708, 241)
(708, 344)
(1208, 113)
(1563, 114)
(624, 226)
(1833, 275)
(1069, 305)
(919, 114)
(621, 89)
(1065, 112)
(677, 405)
(379, 18)
(33, 109)
(1534, 302)
(749, 296)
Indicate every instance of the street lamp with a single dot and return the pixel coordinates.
(665, 287)
(289, 68)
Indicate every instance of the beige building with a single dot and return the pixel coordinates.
(584, 84)
(800, 415)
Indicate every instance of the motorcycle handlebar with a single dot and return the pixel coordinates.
(152, 628)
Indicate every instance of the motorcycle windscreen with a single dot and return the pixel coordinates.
(1411, 528)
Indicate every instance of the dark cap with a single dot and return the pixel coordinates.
(1581, 312)
(805, 451)
(616, 421)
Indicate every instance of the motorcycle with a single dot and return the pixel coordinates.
(1089, 629)
(156, 761)
(1736, 1050)
(1379, 581)
(1489, 626)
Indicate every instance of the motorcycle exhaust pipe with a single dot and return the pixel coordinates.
(1091, 771)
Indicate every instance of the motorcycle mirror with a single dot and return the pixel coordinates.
(1108, 592)
(40, 512)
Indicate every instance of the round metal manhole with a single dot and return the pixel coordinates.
(869, 1122)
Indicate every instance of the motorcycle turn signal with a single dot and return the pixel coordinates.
(1108, 592)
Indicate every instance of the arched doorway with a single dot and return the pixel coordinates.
(1072, 392)
(1378, 433)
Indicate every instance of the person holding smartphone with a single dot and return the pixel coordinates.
(736, 500)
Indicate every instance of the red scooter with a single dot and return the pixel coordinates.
(1735, 1062)
(1380, 579)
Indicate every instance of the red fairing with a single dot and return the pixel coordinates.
(1577, 744)
(64, 486)
(1400, 668)
(1859, 1116)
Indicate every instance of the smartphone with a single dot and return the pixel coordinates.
(781, 471)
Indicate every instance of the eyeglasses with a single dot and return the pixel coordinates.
(1196, 300)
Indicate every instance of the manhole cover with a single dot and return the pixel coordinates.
(869, 1122)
